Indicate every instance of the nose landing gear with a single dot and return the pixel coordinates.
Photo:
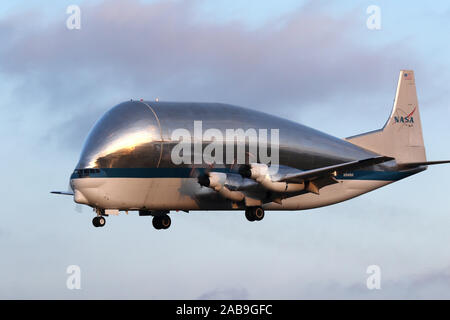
(99, 220)
(254, 213)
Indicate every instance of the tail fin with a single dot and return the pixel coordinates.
(401, 136)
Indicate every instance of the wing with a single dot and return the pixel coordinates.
(330, 171)
(256, 184)
(291, 180)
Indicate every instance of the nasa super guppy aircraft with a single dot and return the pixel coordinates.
(137, 158)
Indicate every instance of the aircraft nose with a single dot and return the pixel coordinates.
(79, 197)
(86, 190)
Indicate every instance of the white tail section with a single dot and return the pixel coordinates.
(401, 136)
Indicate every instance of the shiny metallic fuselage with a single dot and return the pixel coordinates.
(137, 134)
(131, 146)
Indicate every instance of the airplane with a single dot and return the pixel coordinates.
(135, 159)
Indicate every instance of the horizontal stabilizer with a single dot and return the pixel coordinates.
(425, 163)
(66, 193)
(326, 171)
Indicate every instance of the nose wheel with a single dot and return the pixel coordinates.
(254, 213)
(161, 222)
(99, 221)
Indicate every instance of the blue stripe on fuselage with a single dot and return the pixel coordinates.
(188, 173)
(148, 172)
(375, 175)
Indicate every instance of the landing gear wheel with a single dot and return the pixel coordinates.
(258, 212)
(101, 221)
(249, 214)
(161, 222)
(254, 213)
(165, 222)
(156, 223)
(98, 222)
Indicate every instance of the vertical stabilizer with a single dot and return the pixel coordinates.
(401, 137)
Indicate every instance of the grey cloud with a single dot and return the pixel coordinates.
(131, 49)
(430, 285)
(433, 284)
(161, 46)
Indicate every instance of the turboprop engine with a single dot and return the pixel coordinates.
(261, 173)
(216, 181)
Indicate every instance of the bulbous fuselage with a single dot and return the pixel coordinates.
(127, 161)
(138, 134)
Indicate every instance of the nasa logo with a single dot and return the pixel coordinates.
(406, 120)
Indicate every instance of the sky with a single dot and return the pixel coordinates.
(314, 62)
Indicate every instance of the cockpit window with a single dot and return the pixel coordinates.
(86, 172)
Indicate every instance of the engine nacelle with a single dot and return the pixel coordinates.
(260, 173)
(216, 181)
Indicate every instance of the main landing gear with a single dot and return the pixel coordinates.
(99, 221)
(161, 222)
(254, 213)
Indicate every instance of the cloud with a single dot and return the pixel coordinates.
(430, 285)
(131, 49)
(433, 284)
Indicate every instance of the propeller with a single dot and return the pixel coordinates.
(202, 175)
